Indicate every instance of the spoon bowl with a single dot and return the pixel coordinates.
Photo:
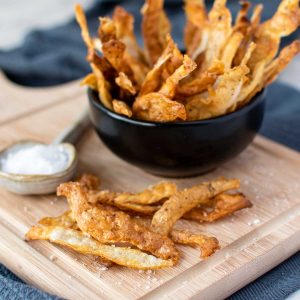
(37, 183)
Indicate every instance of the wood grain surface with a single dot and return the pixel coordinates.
(253, 240)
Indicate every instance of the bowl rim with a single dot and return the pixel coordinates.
(259, 97)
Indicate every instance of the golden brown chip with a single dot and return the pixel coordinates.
(207, 244)
(231, 49)
(153, 78)
(284, 22)
(120, 107)
(168, 89)
(103, 65)
(175, 60)
(107, 30)
(151, 195)
(202, 82)
(64, 220)
(155, 27)
(254, 85)
(183, 201)
(224, 96)
(125, 83)
(84, 244)
(124, 23)
(90, 80)
(113, 51)
(103, 87)
(110, 226)
(222, 206)
(196, 17)
(81, 20)
(280, 63)
(248, 32)
(158, 108)
(242, 23)
(133, 55)
(215, 33)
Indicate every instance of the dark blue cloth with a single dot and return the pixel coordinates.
(54, 56)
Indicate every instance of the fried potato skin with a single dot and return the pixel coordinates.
(84, 244)
(154, 36)
(158, 108)
(122, 108)
(284, 22)
(90, 80)
(223, 97)
(207, 245)
(151, 195)
(196, 17)
(168, 89)
(200, 83)
(114, 226)
(183, 201)
(223, 205)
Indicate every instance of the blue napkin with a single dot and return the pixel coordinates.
(57, 55)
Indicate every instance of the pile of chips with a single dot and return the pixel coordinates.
(226, 62)
(137, 230)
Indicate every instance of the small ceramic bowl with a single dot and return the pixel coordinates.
(178, 149)
(37, 184)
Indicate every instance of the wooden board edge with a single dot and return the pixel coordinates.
(193, 287)
(276, 148)
(249, 272)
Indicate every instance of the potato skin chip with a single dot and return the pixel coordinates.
(168, 89)
(107, 30)
(84, 244)
(223, 206)
(224, 96)
(231, 49)
(81, 20)
(110, 226)
(114, 51)
(90, 80)
(284, 22)
(125, 83)
(103, 87)
(158, 108)
(214, 34)
(64, 220)
(280, 63)
(201, 82)
(207, 244)
(196, 17)
(120, 107)
(154, 35)
(103, 65)
(151, 195)
(183, 201)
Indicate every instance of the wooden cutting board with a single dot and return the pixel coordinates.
(253, 240)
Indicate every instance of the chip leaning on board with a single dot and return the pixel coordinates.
(136, 230)
(227, 62)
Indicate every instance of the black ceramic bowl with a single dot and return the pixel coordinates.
(178, 149)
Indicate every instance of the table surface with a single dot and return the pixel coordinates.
(30, 15)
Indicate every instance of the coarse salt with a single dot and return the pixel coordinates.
(36, 159)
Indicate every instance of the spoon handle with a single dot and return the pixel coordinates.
(73, 132)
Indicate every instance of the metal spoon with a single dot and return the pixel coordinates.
(29, 184)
